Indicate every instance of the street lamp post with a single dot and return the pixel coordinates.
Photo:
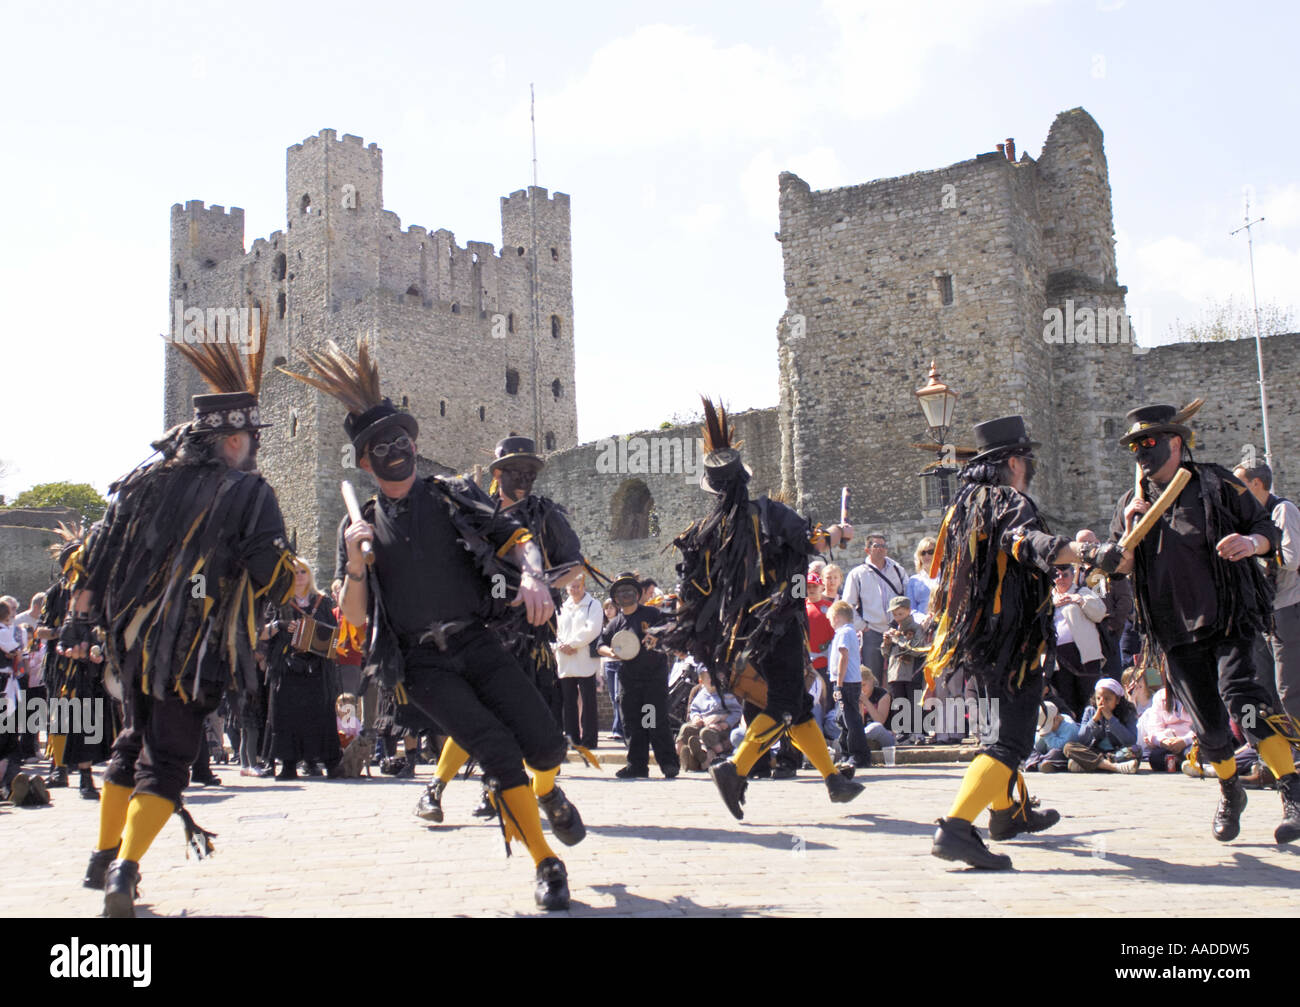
(938, 402)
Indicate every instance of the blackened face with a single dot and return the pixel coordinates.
(516, 481)
(625, 596)
(1152, 456)
(392, 456)
(1031, 467)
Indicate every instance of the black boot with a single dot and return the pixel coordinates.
(88, 790)
(566, 823)
(956, 839)
(120, 889)
(1232, 802)
(731, 785)
(842, 789)
(552, 884)
(1289, 830)
(97, 869)
(429, 806)
(58, 777)
(485, 809)
(1020, 817)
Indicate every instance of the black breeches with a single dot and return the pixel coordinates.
(783, 670)
(160, 739)
(1213, 679)
(477, 693)
(1012, 722)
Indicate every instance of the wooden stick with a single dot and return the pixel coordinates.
(1137, 481)
(354, 512)
(1166, 500)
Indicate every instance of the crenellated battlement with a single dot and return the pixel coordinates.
(196, 208)
(331, 136)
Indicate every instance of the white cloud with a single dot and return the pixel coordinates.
(884, 55)
(820, 167)
(702, 222)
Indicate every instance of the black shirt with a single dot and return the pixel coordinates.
(426, 574)
(1174, 566)
(647, 660)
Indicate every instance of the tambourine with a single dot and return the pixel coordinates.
(625, 645)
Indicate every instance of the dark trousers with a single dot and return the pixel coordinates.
(476, 692)
(850, 716)
(782, 669)
(1213, 679)
(1285, 644)
(611, 688)
(159, 741)
(1008, 735)
(645, 720)
(1074, 680)
(580, 727)
(872, 656)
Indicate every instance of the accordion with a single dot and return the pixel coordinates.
(312, 637)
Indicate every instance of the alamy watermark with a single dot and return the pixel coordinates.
(653, 455)
(241, 326)
(34, 714)
(1089, 326)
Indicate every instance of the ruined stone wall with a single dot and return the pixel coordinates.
(593, 482)
(26, 535)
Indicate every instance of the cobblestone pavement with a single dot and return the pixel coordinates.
(1126, 845)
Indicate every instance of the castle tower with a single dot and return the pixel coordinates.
(451, 327)
(959, 265)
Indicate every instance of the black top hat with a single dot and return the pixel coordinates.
(1156, 419)
(521, 450)
(362, 428)
(1002, 434)
(721, 469)
(626, 580)
(226, 413)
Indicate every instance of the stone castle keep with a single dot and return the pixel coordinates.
(455, 330)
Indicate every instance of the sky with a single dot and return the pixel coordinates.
(667, 124)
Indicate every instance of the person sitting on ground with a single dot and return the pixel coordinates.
(875, 714)
(1165, 733)
(1138, 688)
(1106, 728)
(709, 721)
(1055, 731)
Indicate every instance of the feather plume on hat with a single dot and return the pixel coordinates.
(353, 381)
(716, 428)
(224, 365)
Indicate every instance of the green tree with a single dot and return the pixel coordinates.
(81, 497)
(1231, 319)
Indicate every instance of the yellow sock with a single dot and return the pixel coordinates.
(145, 818)
(113, 801)
(983, 783)
(58, 744)
(523, 821)
(808, 738)
(451, 760)
(1275, 753)
(758, 739)
(1225, 769)
(1003, 800)
(543, 780)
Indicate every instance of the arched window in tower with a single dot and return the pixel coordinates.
(281, 303)
(442, 408)
(280, 268)
(555, 326)
(406, 402)
(178, 270)
(304, 205)
(520, 250)
(473, 257)
(512, 381)
(293, 423)
(455, 307)
(550, 441)
(482, 413)
(510, 322)
(557, 389)
(555, 255)
(412, 291)
(630, 511)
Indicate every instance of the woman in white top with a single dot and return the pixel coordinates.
(1078, 643)
(579, 623)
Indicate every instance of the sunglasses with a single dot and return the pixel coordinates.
(1144, 442)
(927, 552)
(402, 443)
